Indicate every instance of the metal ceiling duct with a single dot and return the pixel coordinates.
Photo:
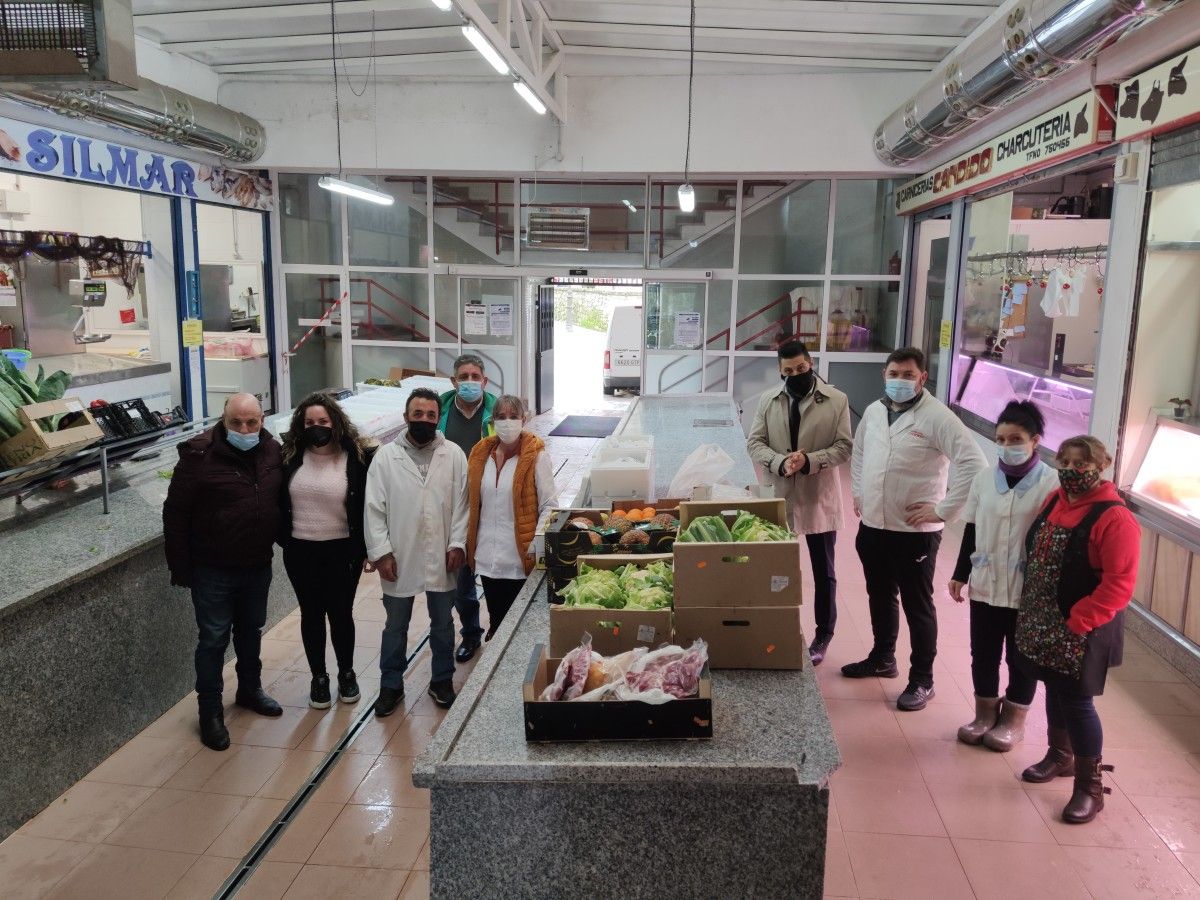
(158, 112)
(1036, 41)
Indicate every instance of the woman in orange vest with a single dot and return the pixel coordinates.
(510, 482)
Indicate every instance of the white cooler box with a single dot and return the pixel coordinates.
(622, 474)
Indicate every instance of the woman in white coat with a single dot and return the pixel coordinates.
(1002, 505)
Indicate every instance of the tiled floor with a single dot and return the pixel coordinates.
(914, 813)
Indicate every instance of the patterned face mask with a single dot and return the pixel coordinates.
(1078, 483)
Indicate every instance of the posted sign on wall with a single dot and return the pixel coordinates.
(1062, 132)
(35, 150)
(1166, 96)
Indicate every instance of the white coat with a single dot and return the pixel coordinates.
(907, 462)
(416, 519)
(814, 498)
(1002, 516)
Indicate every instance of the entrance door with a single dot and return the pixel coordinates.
(673, 337)
(489, 316)
(543, 351)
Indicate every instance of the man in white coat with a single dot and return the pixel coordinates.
(416, 533)
(801, 435)
(911, 471)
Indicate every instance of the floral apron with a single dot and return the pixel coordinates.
(1042, 633)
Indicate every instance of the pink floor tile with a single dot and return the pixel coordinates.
(987, 813)
(1175, 819)
(1119, 824)
(901, 867)
(1120, 874)
(1002, 870)
(886, 807)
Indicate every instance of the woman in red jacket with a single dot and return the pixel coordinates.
(1081, 566)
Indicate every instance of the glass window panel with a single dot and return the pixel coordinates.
(445, 305)
(861, 382)
(372, 361)
(309, 222)
(751, 376)
(670, 312)
(318, 363)
(720, 298)
(867, 232)
(389, 307)
(616, 221)
(473, 220)
(788, 234)
(701, 239)
(390, 235)
(490, 311)
(771, 312)
(672, 372)
(931, 258)
(863, 316)
(716, 373)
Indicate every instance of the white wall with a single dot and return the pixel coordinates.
(752, 123)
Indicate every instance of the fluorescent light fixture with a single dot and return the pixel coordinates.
(490, 53)
(339, 186)
(443, 5)
(631, 207)
(530, 97)
(687, 198)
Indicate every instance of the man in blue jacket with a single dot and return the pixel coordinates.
(466, 420)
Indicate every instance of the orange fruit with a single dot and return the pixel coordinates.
(649, 513)
(619, 514)
(634, 515)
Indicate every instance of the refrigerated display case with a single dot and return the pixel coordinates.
(1165, 487)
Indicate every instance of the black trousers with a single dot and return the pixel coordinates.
(821, 548)
(325, 576)
(899, 568)
(1068, 707)
(499, 593)
(994, 633)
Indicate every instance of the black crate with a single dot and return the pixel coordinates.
(139, 419)
(172, 419)
(111, 421)
(565, 544)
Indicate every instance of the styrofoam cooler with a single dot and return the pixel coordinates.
(622, 474)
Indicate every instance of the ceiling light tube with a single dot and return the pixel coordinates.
(530, 97)
(486, 50)
(340, 186)
(631, 207)
(687, 198)
(443, 5)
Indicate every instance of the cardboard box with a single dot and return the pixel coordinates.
(745, 637)
(34, 445)
(737, 574)
(610, 720)
(613, 631)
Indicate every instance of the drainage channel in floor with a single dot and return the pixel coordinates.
(250, 862)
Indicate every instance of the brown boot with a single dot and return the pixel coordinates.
(1088, 797)
(1059, 760)
(987, 711)
(1010, 730)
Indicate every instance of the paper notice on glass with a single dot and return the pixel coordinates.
(8, 296)
(475, 319)
(500, 315)
(687, 330)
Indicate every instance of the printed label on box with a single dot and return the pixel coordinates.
(74, 406)
(645, 634)
(779, 583)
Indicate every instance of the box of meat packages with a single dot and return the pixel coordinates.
(743, 598)
(552, 721)
(613, 631)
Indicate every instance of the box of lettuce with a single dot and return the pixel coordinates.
(622, 600)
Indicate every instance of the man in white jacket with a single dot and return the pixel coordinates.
(907, 447)
(416, 533)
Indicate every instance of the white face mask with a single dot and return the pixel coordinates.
(508, 430)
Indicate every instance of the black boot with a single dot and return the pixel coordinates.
(256, 699)
(1059, 760)
(213, 733)
(1088, 797)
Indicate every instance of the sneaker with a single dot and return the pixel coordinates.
(442, 693)
(915, 696)
(816, 651)
(869, 668)
(388, 700)
(318, 693)
(348, 687)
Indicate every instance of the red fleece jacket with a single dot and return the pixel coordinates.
(1113, 551)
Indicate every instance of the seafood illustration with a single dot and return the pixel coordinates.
(1177, 81)
(9, 149)
(246, 189)
(1153, 104)
(1129, 107)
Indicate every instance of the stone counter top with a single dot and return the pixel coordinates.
(98, 368)
(769, 727)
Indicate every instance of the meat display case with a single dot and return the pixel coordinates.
(1165, 489)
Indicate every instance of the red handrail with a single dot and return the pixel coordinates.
(371, 283)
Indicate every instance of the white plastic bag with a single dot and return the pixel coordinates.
(707, 464)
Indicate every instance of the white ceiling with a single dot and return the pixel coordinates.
(412, 38)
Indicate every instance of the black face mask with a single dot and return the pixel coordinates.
(799, 385)
(422, 432)
(317, 435)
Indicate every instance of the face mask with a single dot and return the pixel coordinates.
(900, 390)
(508, 430)
(799, 385)
(317, 435)
(242, 441)
(422, 432)
(1015, 455)
(1078, 483)
(470, 391)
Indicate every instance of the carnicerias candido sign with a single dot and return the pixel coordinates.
(1068, 130)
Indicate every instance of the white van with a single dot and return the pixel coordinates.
(623, 350)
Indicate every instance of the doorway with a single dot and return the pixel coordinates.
(597, 342)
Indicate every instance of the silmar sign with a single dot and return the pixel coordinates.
(1062, 132)
(34, 150)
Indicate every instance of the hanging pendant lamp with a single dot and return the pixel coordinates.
(686, 193)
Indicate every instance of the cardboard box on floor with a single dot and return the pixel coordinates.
(613, 631)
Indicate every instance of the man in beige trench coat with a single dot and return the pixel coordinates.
(801, 434)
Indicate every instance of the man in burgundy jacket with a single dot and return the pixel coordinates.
(220, 519)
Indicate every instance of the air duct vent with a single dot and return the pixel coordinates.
(66, 44)
(558, 227)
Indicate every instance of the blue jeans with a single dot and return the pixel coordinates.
(466, 601)
(393, 654)
(228, 600)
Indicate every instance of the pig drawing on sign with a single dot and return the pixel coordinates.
(1153, 104)
(1177, 82)
(1129, 107)
(1081, 123)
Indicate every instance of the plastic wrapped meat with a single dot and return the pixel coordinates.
(572, 672)
(665, 674)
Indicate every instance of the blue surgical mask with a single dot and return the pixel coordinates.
(469, 391)
(899, 390)
(1015, 455)
(242, 441)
